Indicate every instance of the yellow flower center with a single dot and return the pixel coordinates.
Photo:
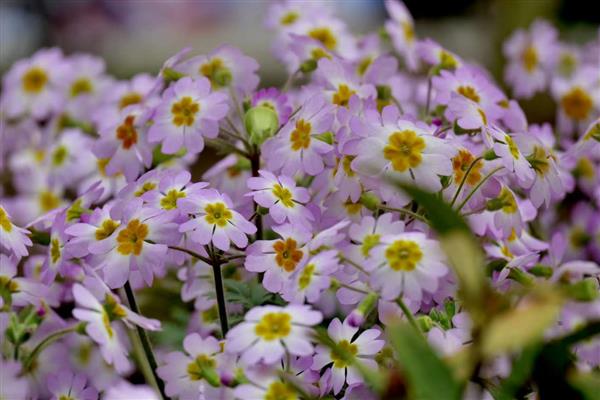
(54, 250)
(127, 133)
(59, 155)
(129, 99)
(409, 31)
(342, 96)
(344, 354)
(539, 160)
(461, 163)
(106, 229)
(184, 111)
(217, 73)
(403, 255)
(280, 391)
(363, 65)
(300, 137)
(217, 214)
(4, 221)
(34, 80)
(48, 201)
(81, 86)
(210, 315)
(469, 92)
(287, 254)
(369, 242)
(512, 146)
(131, 239)
(317, 53)
(585, 168)
(169, 201)
(196, 368)
(65, 397)
(404, 150)
(325, 36)
(352, 208)
(283, 195)
(273, 326)
(101, 163)
(289, 18)
(567, 64)
(146, 187)
(577, 104)
(346, 165)
(529, 58)
(447, 60)
(306, 276)
(509, 203)
(111, 311)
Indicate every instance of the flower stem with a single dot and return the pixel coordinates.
(220, 292)
(485, 178)
(145, 341)
(45, 343)
(255, 164)
(464, 179)
(192, 253)
(404, 211)
(409, 315)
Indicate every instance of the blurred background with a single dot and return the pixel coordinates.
(138, 35)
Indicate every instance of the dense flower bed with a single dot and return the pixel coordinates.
(386, 224)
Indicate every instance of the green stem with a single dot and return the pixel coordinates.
(220, 292)
(192, 253)
(355, 265)
(404, 211)
(485, 178)
(145, 341)
(409, 315)
(45, 343)
(255, 165)
(464, 179)
(354, 289)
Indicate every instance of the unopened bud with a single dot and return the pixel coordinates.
(261, 123)
(425, 323)
(358, 316)
(584, 290)
(370, 201)
(308, 66)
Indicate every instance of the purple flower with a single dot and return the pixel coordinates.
(65, 384)
(187, 113)
(275, 100)
(214, 220)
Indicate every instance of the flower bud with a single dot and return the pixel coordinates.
(370, 201)
(584, 290)
(425, 323)
(261, 123)
(308, 66)
(359, 314)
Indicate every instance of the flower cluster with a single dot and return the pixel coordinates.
(275, 273)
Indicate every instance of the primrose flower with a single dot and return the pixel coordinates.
(70, 158)
(282, 197)
(84, 84)
(505, 146)
(187, 113)
(173, 185)
(225, 67)
(58, 251)
(16, 386)
(401, 29)
(400, 149)
(18, 290)
(97, 227)
(123, 145)
(467, 114)
(312, 279)
(186, 374)
(279, 258)
(214, 220)
(32, 85)
(531, 55)
(103, 324)
(298, 146)
(268, 332)
(367, 234)
(13, 239)
(137, 243)
(340, 82)
(67, 385)
(361, 348)
(407, 264)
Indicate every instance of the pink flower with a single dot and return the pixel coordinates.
(268, 332)
(187, 113)
(282, 197)
(214, 220)
(13, 238)
(66, 385)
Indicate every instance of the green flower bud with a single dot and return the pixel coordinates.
(170, 75)
(490, 155)
(261, 123)
(370, 201)
(308, 66)
(425, 323)
(584, 290)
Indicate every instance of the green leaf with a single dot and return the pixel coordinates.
(249, 294)
(427, 375)
(524, 325)
(587, 383)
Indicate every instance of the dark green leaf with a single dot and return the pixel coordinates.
(427, 375)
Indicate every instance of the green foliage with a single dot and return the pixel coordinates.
(249, 294)
(428, 377)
